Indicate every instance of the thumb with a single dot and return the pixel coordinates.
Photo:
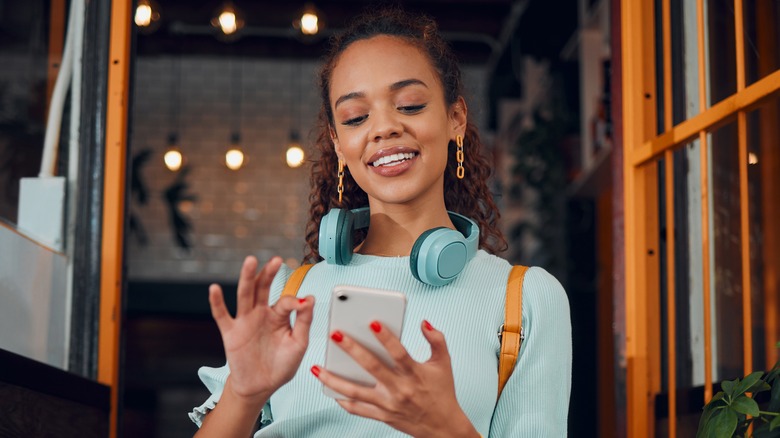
(439, 351)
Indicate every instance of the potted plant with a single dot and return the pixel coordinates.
(732, 411)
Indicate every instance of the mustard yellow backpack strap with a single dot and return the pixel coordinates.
(512, 330)
(295, 280)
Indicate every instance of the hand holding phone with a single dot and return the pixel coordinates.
(352, 309)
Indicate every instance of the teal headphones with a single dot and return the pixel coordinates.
(437, 257)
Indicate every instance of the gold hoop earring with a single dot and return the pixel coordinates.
(341, 180)
(459, 155)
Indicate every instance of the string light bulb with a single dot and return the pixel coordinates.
(147, 15)
(228, 20)
(309, 24)
(310, 21)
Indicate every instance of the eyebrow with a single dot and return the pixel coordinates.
(394, 87)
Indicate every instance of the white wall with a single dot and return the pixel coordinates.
(33, 305)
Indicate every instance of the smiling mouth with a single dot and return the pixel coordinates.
(393, 160)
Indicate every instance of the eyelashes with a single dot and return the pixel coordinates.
(406, 109)
(354, 121)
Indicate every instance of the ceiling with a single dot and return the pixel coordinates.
(473, 27)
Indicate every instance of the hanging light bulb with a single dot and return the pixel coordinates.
(310, 20)
(173, 158)
(752, 158)
(147, 15)
(228, 20)
(234, 157)
(295, 154)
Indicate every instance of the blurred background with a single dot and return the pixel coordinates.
(220, 113)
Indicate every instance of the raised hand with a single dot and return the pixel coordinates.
(415, 398)
(261, 347)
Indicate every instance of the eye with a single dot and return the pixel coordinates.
(411, 109)
(354, 121)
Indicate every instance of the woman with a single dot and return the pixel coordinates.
(394, 136)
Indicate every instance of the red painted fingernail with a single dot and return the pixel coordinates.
(301, 300)
(315, 370)
(427, 325)
(337, 336)
(376, 326)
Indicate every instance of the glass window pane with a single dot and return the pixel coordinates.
(721, 50)
(762, 38)
(685, 64)
(726, 248)
(24, 57)
(763, 180)
(688, 291)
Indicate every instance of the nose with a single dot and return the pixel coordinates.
(386, 124)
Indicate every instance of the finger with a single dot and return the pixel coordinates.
(393, 345)
(263, 280)
(343, 386)
(218, 309)
(439, 351)
(365, 358)
(286, 305)
(246, 288)
(303, 320)
(363, 409)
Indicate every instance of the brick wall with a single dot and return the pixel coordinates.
(260, 209)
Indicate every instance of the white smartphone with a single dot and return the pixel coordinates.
(352, 309)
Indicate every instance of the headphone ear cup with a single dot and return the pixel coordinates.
(414, 256)
(438, 256)
(335, 240)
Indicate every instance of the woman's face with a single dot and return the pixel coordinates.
(392, 126)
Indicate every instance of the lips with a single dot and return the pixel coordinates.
(392, 161)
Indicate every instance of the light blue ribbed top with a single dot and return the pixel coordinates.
(469, 311)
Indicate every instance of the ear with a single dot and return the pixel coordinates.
(335, 141)
(458, 116)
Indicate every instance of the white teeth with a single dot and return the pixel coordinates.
(393, 160)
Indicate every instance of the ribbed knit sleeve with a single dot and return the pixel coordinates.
(535, 400)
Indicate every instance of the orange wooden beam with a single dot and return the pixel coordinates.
(707, 120)
(114, 203)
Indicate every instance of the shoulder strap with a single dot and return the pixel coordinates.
(295, 280)
(512, 330)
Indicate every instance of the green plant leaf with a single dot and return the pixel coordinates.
(764, 432)
(760, 386)
(745, 405)
(728, 386)
(774, 399)
(724, 423)
(715, 398)
(746, 383)
(774, 423)
(705, 422)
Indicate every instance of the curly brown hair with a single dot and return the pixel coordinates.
(469, 196)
